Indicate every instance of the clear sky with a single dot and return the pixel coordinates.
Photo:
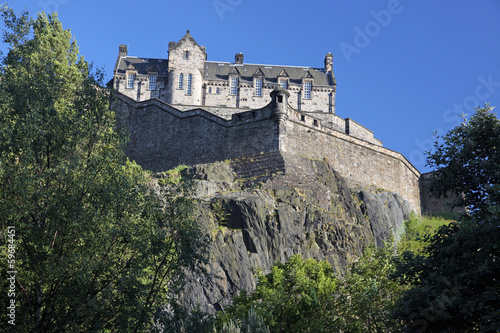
(404, 68)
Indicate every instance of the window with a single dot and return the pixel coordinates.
(152, 82)
(307, 89)
(217, 91)
(258, 87)
(130, 81)
(209, 90)
(181, 81)
(189, 84)
(186, 54)
(284, 84)
(234, 86)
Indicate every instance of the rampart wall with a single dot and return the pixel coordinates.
(162, 137)
(360, 162)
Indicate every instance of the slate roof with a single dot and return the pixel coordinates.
(142, 65)
(216, 70)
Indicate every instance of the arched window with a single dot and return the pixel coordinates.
(189, 84)
(181, 81)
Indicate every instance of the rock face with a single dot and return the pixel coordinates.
(303, 208)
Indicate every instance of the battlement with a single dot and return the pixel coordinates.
(188, 110)
(163, 136)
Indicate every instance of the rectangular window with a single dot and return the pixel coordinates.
(209, 90)
(234, 86)
(181, 81)
(258, 87)
(189, 84)
(152, 82)
(130, 81)
(284, 84)
(307, 89)
(186, 54)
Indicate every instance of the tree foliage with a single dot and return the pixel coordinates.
(367, 294)
(297, 296)
(454, 282)
(467, 160)
(304, 295)
(97, 245)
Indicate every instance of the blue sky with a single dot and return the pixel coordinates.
(404, 68)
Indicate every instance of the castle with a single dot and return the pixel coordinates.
(188, 110)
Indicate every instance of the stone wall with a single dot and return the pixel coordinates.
(431, 205)
(322, 98)
(360, 162)
(162, 137)
(140, 91)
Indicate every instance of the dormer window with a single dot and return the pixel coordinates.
(234, 85)
(130, 81)
(258, 86)
(152, 82)
(186, 54)
(307, 89)
(181, 81)
(284, 83)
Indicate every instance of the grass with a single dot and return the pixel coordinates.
(418, 229)
(174, 176)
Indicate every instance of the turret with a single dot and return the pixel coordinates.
(279, 99)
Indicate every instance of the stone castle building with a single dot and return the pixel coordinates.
(188, 110)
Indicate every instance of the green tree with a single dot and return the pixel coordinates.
(454, 285)
(367, 293)
(297, 296)
(454, 282)
(467, 161)
(98, 246)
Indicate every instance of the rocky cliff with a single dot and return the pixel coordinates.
(264, 209)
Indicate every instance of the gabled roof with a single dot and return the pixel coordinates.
(187, 37)
(235, 71)
(283, 73)
(259, 72)
(308, 75)
(153, 68)
(214, 70)
(142, 66)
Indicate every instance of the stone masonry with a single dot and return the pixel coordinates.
(200, 111)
